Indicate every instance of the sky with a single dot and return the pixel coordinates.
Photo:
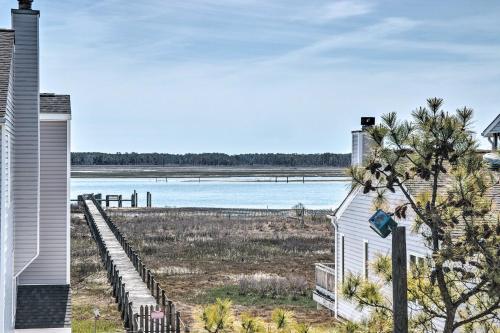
(247, 76)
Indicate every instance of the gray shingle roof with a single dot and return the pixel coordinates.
(492, 127)
(6, 54)
(52, 103)
(43, 306)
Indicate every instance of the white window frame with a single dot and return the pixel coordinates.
(419, 258)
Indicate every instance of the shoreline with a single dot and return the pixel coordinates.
(205, 172)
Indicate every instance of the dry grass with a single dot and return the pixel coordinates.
(194, 256)
(272, 285)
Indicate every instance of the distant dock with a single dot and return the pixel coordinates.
(165, 172)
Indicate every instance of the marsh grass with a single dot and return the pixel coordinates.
(197, 257)
(272, 285)
(163, 237)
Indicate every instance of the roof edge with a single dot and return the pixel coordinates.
(491, 125)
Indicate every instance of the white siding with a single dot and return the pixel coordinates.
(353, 224)
(7, 285)
(26, 150)
(50, 267)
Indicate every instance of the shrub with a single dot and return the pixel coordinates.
(272, 285)
(217, 317)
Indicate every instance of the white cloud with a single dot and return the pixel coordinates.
(345, 8)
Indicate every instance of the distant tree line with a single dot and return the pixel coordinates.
(212, 159)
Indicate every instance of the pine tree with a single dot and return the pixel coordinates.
(459, 283)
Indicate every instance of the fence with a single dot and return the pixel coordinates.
(229, 212)
(162, 318)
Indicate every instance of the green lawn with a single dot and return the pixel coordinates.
(232, 292)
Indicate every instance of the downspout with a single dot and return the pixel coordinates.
(333, 219)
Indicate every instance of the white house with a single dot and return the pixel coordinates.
(356, 244)
(34, 186)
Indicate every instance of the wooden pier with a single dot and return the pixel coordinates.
(143, 304)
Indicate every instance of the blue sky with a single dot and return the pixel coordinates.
(260, 75)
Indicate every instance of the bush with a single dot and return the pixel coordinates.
(268, 285)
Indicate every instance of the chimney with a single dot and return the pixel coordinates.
(26, 149)
(25, 4)
(362, 142)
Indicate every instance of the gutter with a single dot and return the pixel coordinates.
(333, 219)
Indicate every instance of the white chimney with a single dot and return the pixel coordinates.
(362, 142)
(27, 134)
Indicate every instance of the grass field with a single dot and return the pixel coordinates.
(197, 258)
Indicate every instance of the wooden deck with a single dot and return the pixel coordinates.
(139, 294)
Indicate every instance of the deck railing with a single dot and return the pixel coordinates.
(135, 322)
(325, 279)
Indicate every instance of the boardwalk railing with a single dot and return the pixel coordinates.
(162, 318)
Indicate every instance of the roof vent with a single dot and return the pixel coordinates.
(25, 4)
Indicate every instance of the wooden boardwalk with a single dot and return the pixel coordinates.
(143, 304)
(139, 294)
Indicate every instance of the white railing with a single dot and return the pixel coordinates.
(325, 279)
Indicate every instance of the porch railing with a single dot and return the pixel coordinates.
(325, 279)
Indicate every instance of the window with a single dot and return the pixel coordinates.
(416, 261)
(342, 262)
(366, 262)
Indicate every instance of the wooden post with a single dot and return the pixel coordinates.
(146, 319)
(177, 322)
(399, 282)
(107, 201)
(120, 201)
(157, 321)
(170, 324)
(141, 319)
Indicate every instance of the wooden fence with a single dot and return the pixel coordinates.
(227, 212)
(148, 319)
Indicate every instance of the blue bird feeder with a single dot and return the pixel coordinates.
(382, 223)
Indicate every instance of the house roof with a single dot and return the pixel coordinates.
(417, 186)
(492, 128)
(6, 54)
(43, 306)
(52, 103)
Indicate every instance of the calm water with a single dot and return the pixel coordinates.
(222, 192)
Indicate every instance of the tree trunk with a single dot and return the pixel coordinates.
(450, 319)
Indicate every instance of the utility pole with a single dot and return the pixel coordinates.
(399, 280)
(383, 224)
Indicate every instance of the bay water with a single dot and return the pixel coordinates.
(235, 192)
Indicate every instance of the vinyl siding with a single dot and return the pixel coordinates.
(26, 150)
(353, 224)
(7, 285)
(50, 267)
